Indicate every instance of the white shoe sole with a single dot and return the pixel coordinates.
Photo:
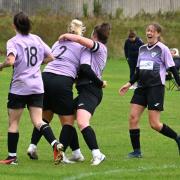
(103, 157)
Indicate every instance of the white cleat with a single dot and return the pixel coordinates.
(32, 153)
(98, 159)
(77, 158)
(65, 160)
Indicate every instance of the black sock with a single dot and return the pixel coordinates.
(135, 138)
(36, 135)
(167, 131)
(12, 142)
(47, 133)
(74, 144)
(90, 138)
(66, 135)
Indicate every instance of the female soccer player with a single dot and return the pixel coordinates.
(89, 83)
(58, 77)
(153, 60)
(26, 52)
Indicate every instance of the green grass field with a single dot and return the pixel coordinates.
(160, 160)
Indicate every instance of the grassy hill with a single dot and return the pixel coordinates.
(50, 27)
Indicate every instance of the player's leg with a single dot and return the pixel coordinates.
(77, 156)
(89, 98)
(83, 118)
(154, 120)
(47, 113)
(15, 105)
(36, 136)
(13, 136)
(67, 134)
(155, 106)
(45, 129)
(64, 107)
(35, 103)
(138, 104)
(134, 129)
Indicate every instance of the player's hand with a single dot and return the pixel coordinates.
(104, 84)
(61, 37)
(124, 89)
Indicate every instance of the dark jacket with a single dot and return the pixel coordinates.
(131, 49)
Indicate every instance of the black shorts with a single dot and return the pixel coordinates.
(20, 101)
(89, 97)
(151, 97)
(58, 95)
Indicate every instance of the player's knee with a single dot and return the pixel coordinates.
(13, 127)
(38, 125)
(82, 125)
(155, 126)
(133, 120)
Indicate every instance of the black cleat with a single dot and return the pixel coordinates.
(135, 154)
(10, 160)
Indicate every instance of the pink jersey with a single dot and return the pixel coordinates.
(67, 58)
(96, 58)
(29, 51)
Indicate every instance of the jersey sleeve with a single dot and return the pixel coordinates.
(99, 51)
(47, 49)
(95, 47)
(85, 57)
(168, 60)
(11, 48)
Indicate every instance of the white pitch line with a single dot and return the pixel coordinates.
(113, 171)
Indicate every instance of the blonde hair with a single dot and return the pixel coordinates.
(76, 27)
(174, 51)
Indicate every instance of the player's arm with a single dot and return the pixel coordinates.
(86, 70)
(126, 50)
(135, 77)
(48, 58)
(9, 61)
(175, 74)
(78, 39)
(126, 87)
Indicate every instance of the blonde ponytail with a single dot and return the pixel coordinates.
(76, 27)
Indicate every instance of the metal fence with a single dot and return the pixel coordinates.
(89, 7)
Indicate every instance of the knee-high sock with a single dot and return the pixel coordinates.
(48, 134)
(36, 135)
(74, 144)
(90, 138)
(167, 131)
(12, 142)
(135, 138)
(66, 135)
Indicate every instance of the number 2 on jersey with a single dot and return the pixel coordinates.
(63, 49)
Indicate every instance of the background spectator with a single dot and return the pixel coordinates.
(131, 50)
